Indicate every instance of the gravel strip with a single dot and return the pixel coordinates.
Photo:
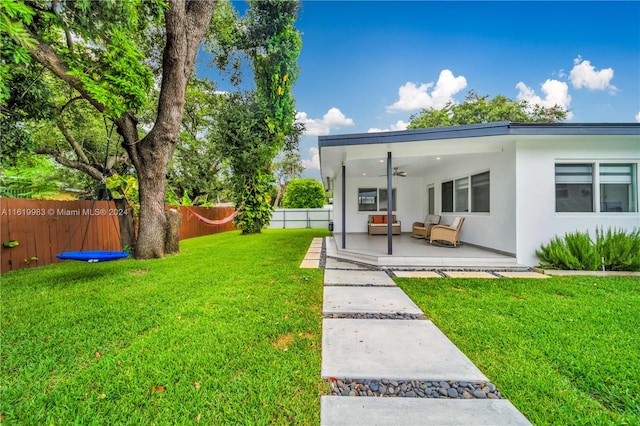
(396, 316)
(323, 255)
(413, 389)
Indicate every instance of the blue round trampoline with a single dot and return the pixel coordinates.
(92, 256)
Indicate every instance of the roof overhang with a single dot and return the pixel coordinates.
(416, 150)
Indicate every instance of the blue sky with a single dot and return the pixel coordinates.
(368, 65)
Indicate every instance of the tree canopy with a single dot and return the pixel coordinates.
(482, 109)
(305, 193)
(117, 58)
(96, 48)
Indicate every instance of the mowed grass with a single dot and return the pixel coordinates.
(227, 332)
(563, 350)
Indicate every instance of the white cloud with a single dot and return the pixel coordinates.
(412, 97)
(638, 117)
(333, 119)
(556, 93)
(400, 125)
(314, 162)
(584, 74)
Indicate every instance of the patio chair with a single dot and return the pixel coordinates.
(447, 233)
(423, 229)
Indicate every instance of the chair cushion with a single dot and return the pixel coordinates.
(455, 223)
(432, 218)
(384, 219)
(377, 219)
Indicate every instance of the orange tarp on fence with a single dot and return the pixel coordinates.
(44, 228)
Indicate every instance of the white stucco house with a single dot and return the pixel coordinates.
(517, 185)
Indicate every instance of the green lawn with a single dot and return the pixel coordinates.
(229, 331)
(563, 350)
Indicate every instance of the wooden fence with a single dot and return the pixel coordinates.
(44, 228)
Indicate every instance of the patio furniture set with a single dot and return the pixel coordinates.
(430, 229)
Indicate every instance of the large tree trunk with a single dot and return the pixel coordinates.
(186, 23)
(153, 225)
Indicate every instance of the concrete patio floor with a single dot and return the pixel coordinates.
(414, 252)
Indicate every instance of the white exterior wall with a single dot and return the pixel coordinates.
(496, 229)
(537, 220)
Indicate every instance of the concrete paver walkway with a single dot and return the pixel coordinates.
(394, 349)
(352, 300)
(341, 410)
(359, 278)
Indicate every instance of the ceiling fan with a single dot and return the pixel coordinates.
(397, 172)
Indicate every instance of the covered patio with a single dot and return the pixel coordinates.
(409, 252)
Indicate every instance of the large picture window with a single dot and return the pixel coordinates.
(467, 194)
(384, 201)
(576, 187)
(375, 199)
(367, 199)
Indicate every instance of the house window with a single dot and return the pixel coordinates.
(618, 188)
(367, 199)
(431, 199)
(384, 202)
(374, 199)
(462, 195)
(474, 199)
(447, 196)
(480, 192)
(574, 187)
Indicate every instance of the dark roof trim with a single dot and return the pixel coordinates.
(479, 130)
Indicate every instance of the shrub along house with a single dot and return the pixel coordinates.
(516, 185)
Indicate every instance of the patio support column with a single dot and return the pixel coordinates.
(389, 205)
(344, 206)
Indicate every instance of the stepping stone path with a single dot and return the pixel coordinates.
(387, 365)
(314, 254)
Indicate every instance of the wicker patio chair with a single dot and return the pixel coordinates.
(447, 233)
(423, 229)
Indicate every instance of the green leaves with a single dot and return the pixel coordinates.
(124, 187)
(481, 109)
(304, 194)
(615, 250)
(117, 79)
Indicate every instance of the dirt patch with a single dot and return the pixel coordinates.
(283, 342)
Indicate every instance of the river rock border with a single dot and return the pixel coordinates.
(394, 316)
(413, 389)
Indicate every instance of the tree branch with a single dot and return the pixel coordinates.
(86, 168)
(77, 148)
(82, 157)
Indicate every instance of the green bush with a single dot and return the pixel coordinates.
(614, 250)
(619, 251)
(304, 194)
